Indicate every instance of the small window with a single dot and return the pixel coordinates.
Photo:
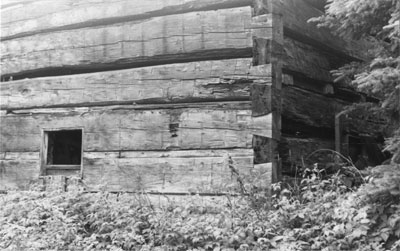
(61, 152)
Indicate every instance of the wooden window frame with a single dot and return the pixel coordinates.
(44, 148)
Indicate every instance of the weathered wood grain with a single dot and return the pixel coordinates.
(171, 171)
(267, 49)
(305, 60)
(261, 95)
(18, 170)
(152, 171)
(30, 18)
(267, 42)
(310, 108)
(264, 149)
(186, 82)
(202, 126)
(189, 36)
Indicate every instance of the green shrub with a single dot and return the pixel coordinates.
(325, 215)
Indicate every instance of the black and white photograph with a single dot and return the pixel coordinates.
(204, 125)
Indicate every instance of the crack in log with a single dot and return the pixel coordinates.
(5, 56)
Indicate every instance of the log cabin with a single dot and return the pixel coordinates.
(160, 95)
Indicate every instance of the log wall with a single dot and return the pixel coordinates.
(196, 126)
(187, 36)
(172, 83)
(310, 98)
(165, 92)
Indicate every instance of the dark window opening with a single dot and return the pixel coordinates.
(64, 147)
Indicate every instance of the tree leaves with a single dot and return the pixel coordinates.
(377, 21)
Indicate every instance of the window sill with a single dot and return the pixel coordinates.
(63, 167)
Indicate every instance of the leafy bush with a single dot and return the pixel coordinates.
(378, 22)
(325, 215)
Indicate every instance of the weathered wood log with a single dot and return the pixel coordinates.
(18, 170)
(151, 171)
(264, 99)
(17, 10)
(29, 18)
(199, 126)
(310, 108)
(305, 60)
(186, 82)
(264, 149)
(141, 92)
(177, 171)
(190, 36)
(267, 50)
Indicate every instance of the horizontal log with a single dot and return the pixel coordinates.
(310, 108)
(202, 126)
(30, 18)
(296, 14)
(191, 36)
(304, 60)
(19, 155)
(16, 10)
(18, 170)
(152, 171)
(328, 89)
(175, 171)
(185, 82)
(232, 105)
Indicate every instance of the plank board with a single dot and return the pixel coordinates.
(189, 36)
(28, 18)
(174, 171)
(185, 82)
(201, 126)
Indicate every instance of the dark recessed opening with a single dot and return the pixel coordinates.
(64, 147)
(366, 151)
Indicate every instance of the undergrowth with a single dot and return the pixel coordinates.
(320, 213)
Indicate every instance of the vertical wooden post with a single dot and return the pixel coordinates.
(341, 137)
(43, 152)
